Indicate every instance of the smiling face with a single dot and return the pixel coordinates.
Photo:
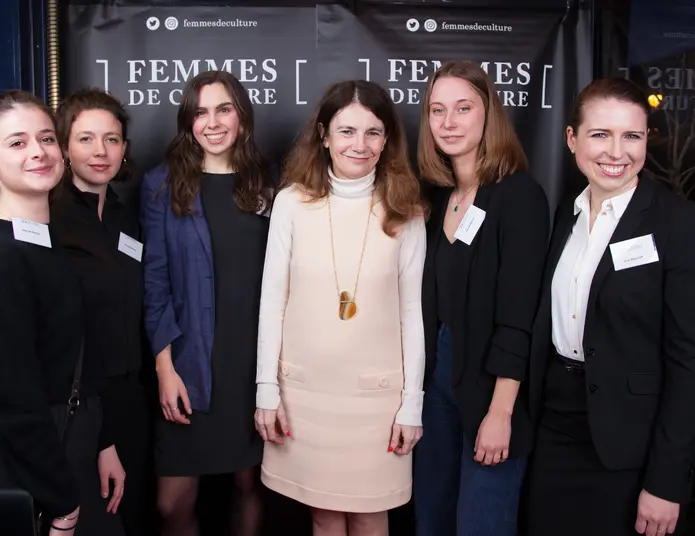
(95, 147)
(30, 159)
(216, 123)
(355, 140)
(456, 117)
(610, 144)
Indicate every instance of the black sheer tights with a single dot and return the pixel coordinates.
(176, 500)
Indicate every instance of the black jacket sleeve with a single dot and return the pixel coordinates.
(33, 453)
(524, 229)
(109, 404)
(672, 451)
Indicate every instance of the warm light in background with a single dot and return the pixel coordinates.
(655, 100)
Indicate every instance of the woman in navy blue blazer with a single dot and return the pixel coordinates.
(205, 225)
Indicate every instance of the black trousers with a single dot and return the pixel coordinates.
(129, 412)
(571, 493)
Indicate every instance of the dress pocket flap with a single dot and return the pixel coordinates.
(645, 383)
(376, 381)
(288, 371)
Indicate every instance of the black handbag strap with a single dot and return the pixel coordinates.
(74, 400)
(43, 527)
(77, 378)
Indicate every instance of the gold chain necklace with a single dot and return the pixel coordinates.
(347, 307)
(456, 195)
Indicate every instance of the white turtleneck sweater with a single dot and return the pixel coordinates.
(411, 262)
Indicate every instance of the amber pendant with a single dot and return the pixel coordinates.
(348, 309)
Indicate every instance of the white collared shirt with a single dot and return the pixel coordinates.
(576, 267)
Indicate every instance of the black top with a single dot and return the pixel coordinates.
(445, 272)
(638, 342)
(494, 294)
(111, 281)
(40, 335)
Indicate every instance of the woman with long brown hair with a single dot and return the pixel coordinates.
(485, 254)
(205, 223)
(341, 319)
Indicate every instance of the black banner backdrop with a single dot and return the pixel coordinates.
(285, 57)
(538, 52)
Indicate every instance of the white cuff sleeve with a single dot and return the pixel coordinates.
(267, 396)
(411, 266)
(274, 295)
(410, 413)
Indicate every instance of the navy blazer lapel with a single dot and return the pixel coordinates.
(629, 223)
(201, 226)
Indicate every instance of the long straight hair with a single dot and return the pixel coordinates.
(500, 153)
(396, 185)
(184, 157)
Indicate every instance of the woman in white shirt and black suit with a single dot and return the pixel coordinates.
(612, 373)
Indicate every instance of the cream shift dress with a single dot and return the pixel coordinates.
(343, 383)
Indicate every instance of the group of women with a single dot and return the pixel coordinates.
(359, 337)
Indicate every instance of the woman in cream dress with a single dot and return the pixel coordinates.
(341, 344)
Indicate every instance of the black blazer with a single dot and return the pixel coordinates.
(639, 344)
(496, 296)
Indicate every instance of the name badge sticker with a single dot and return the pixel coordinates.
(470, 224)
(130, 247)
(634, 252)
(31, 232)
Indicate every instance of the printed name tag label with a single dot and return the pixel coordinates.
(470, 224)
(130, 247)
(634, 252)
(31, 232)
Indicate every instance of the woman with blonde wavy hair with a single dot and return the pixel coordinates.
(341, 342)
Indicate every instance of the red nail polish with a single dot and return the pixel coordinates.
(288, 433)
(390, 449)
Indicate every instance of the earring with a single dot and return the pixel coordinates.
(66, 161)
(124, 160)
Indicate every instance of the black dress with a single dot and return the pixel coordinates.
(225, 439)
(40, 333)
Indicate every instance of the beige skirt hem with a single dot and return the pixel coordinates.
(334, 501)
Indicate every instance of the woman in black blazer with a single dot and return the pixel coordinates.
(612, 376)
(487, 240)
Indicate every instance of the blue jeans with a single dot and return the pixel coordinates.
(455, 495)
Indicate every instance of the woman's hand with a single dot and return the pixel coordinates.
(404, 438)
(65, 526)
(655, 516)
(110, 468)
(171, 389)
(272, 424)
(494, 434)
